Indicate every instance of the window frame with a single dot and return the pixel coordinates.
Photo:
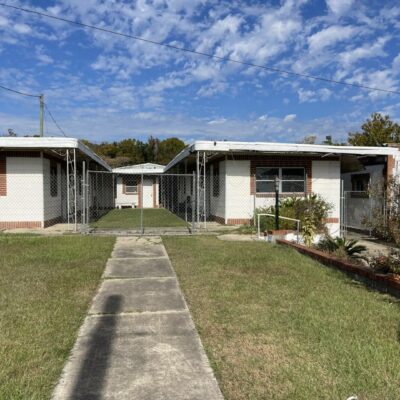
(128, 192)
(281, 181)
(364, 178)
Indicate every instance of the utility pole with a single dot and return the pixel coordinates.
(41, 101)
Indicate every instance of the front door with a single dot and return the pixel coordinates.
(147, 193)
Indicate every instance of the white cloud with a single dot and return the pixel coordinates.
(42, 56)
(368, 50)
(330, 36)
(22, 29)
(289, 118)
(311, 96)
(339, 7)
(396, 64)
(263, 117)
(217, 121)
(3, 21)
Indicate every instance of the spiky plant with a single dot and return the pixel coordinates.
(343, 247)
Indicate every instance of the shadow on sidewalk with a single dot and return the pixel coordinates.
(92, 373)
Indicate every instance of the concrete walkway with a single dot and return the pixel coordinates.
(138, 340)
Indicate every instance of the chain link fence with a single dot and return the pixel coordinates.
(359, 209)
(140, 203)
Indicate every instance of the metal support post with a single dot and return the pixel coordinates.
(193, 202)
(83, 183)
(204, 190)
(198, 186)
(75, 195)
(276, 203)
(68, 188)
(141, 208)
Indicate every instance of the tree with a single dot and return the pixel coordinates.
(151, 149)
(310, 139)
(376, 131)
(168, 149)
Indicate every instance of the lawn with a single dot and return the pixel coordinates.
(278, 325)
(46, 285)
(129, 218)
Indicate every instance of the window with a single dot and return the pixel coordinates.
(360, 182)
(130, 183)
(291, 180)
(216, 181)
(53, 180)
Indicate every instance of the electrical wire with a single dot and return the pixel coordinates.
(18, 92)
(209, 55)
(54, 121)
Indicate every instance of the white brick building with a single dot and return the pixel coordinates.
(34, 189)
(239, 176)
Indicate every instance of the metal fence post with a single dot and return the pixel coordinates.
(141, 206)
(193, 202)
(75, 195)
(83, 183)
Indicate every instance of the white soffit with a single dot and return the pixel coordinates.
(43, 143)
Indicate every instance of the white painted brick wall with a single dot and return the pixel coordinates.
(239, 202)
(24, 200)
(326, 182)
(125, 199)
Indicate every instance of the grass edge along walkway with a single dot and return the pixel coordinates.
(278, 325)
(46, 286)
(129, 218)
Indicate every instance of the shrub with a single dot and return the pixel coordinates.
(384, 219)
(311, 210)
(389, 264)
(343, 248)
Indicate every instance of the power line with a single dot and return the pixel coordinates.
(18, 92)
(54, 121)
(184, 49)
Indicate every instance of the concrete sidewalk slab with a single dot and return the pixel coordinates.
(139, 295)
(144, 357)
(138, 268)
(138, 340)
(128, 250)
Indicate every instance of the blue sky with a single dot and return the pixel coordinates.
(103, 87)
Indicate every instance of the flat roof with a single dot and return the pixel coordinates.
(42, 143)
(146, 168)
(276, 148)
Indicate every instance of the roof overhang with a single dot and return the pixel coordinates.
(278, 148)
(53, 143)
(138, 169)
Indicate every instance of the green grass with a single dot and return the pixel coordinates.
(278, 325)
(46, 285)
(129, 218)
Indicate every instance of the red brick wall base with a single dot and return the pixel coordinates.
(20, 224)
(386, 283)
(29, 224)
(231, 221)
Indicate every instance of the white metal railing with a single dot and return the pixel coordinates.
(273, 216)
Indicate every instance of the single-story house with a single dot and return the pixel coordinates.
(238, 177)
(41, 180)
(44, 181)
(131, 192)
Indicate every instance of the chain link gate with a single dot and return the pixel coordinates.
(359, 209)
(139, 203)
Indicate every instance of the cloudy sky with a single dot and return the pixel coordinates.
(104, 87)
